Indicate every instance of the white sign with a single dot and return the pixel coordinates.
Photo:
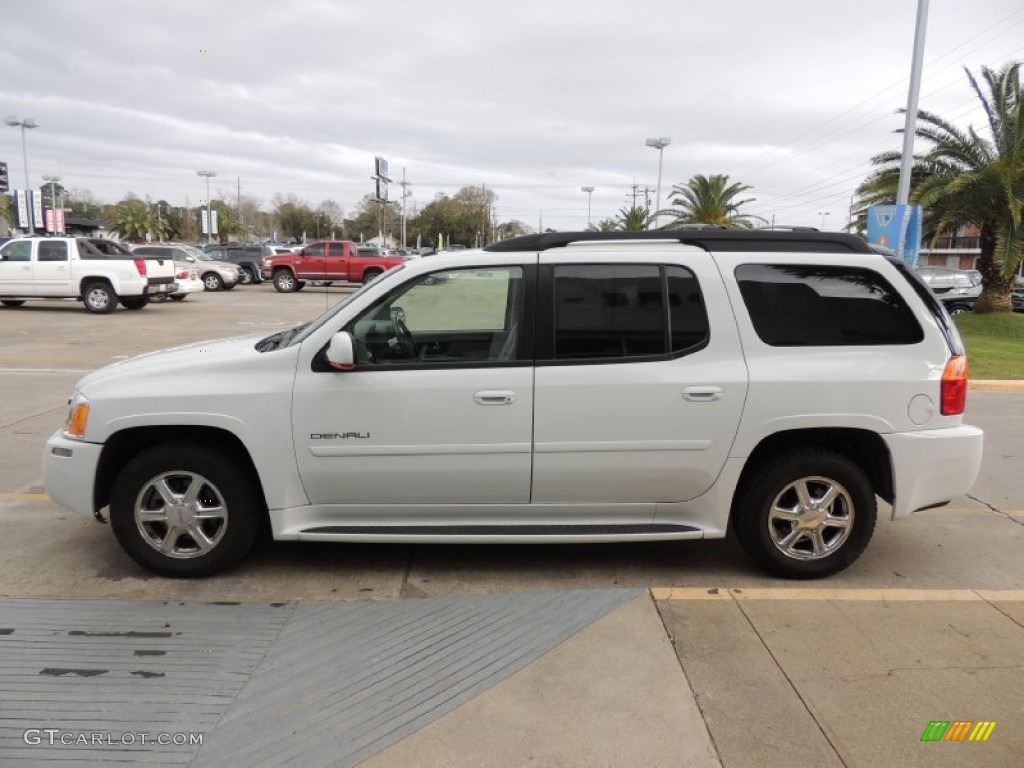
(213, 220)
(37, 209)
(21, 204)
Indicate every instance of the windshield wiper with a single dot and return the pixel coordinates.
(278, 340)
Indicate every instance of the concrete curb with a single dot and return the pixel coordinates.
(1003, 385)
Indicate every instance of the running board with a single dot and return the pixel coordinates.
(507, 533)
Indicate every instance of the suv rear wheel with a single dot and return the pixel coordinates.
(184, 509)
(245, 276)
(805, 514)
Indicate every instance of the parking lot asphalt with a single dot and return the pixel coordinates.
(705, 662)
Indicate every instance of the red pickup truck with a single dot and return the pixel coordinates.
(326, 261)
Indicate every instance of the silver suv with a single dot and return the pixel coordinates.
(216, 275)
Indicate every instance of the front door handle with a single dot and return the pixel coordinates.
(702, 394)
(494, 397)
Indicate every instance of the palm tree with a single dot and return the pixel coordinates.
(965, 177)
(635, 219)
(131, 220)
(710, 200)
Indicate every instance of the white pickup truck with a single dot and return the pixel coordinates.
(100, 273)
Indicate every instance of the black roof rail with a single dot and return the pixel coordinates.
(710, 239)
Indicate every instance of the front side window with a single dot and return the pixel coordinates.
(798, 305)
(313, 250)
(17, 250)
(454, 316)
(53, 250)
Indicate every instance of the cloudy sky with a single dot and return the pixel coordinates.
(532, 98)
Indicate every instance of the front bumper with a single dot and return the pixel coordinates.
(69, 472)
(933, 466)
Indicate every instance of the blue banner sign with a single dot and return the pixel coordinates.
(897, 227)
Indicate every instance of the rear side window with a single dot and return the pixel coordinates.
(800, 305)
(337, 249)
(53, 250)
(609, 311)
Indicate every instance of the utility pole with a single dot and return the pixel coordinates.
(634, 186)
(909, 125)
(405, 194)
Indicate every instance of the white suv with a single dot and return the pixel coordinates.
(569, 387)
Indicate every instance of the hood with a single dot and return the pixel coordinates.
(201, 355)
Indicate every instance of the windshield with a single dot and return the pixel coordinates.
(326, 316)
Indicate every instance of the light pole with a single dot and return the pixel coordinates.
(28, 122)
(823, 214)
(659, 144)
(590, 192)
(53, 198)
(209, 216)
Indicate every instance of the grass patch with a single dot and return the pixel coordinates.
(995, 345)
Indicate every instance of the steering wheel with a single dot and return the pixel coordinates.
(403, 336)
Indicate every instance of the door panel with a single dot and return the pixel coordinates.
(437, 411)
(608, 429)
(16, 268)
(51, 271)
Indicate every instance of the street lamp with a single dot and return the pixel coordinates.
(53, 199)
(589, 191)
(209, 216)
(28, 122)
(659, 144)
(823, 214)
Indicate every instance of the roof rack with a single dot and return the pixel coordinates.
(710, 239)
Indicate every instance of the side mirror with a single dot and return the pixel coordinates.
(340, 352)
(191, 259)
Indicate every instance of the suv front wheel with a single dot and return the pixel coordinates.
(184, 509)
(806, 514)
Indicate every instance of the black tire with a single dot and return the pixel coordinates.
(212, 282)
(959, 309)
(777, 480)
(245, 277)
(99, 298)
(178, 297)
(12, 302)
(285, 282)
(134, 302)
(370, 274)
(222, 482)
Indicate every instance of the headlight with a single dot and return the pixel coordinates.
(78, 416)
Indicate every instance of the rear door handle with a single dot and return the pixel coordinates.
(494, 397)
(702, 394)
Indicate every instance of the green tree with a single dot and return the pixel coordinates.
(604, 225)
(710, 200)
(966, 177)
(6, 213)
(634, 219)
(463, 218)
(131, 220)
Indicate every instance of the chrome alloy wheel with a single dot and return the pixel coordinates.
(181, 514)
(811, 518)
(98, 298)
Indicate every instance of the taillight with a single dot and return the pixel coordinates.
(140, 264)
(953, 394)
(183, 275)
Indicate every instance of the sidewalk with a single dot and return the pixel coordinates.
(791, 676)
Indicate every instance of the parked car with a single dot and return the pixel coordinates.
(248, 258)
(214, 275)
(100, 273)
(324, 262)
(185, 274)
(556, 388)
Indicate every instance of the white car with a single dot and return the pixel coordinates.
(567, 387)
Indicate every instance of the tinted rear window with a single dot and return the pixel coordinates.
(799, 305)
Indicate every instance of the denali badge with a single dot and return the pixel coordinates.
(338, 435)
